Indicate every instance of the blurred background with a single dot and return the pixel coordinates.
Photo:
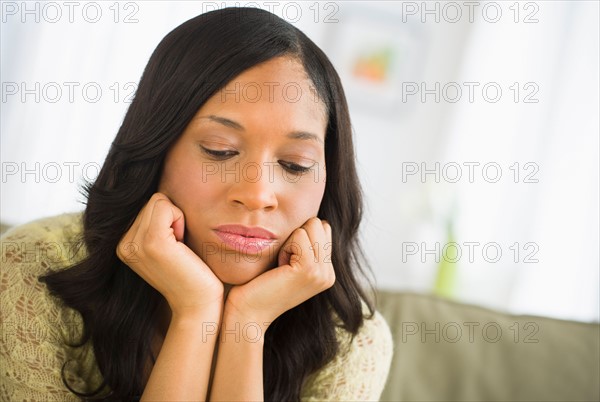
(476, 129)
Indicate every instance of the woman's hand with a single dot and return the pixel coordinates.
(305, 269)
(153, 247)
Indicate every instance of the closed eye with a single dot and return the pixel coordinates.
(221, 155)
(294, 167)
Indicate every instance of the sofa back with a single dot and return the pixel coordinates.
(450, 351)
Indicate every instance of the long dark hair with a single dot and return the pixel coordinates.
(189, 65)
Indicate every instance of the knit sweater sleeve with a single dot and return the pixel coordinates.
(360, 369)
(35, 325)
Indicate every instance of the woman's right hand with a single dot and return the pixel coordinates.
(153, 247)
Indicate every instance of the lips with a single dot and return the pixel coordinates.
(245, 239)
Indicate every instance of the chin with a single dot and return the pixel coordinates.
(232, 267)
(237, 272)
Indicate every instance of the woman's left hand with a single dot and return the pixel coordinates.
(305, 269)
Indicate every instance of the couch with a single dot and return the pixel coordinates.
(451, 351)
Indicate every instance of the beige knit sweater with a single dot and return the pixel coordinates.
(35, 326)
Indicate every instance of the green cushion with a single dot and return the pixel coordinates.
(488, 360)
(3, 227)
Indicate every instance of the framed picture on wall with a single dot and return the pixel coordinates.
(376, 53)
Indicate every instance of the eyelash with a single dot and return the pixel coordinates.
(290, 167)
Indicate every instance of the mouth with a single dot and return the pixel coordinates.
(244, 239)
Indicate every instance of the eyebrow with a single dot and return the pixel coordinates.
(297, 135)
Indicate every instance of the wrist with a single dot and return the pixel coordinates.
(246, 326)
(192, 311)
(201, 327)
(197, 317)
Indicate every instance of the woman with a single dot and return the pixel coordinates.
(217, 257)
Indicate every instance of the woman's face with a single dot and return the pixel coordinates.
(254, 156)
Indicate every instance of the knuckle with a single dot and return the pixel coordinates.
(160, 203)
(300, 233)
(161, 200)
(314, 221)
(158, 196)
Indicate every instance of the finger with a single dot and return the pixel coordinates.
(147, 211)
(329, 238)
(292, 250)
(177, 217)
(179, 226)
(317, 236)
(288, 249)
(166, 216)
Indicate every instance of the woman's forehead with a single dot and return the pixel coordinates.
(278, 91)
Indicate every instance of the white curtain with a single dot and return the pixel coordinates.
(547, 230)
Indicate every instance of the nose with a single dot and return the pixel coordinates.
(253, 189)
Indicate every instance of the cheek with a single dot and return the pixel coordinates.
(190, 189)
(303, 201)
